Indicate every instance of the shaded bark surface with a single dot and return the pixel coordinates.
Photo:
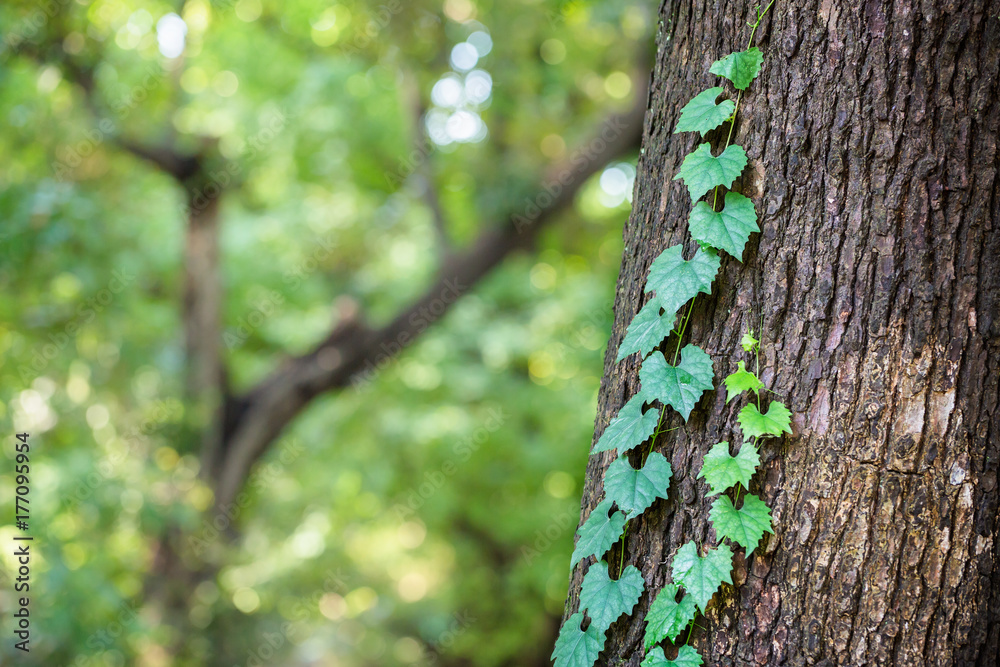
(872, 137)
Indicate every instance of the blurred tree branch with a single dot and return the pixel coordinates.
(239, 429)
(352, 352)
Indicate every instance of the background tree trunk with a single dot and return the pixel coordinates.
(872, 136)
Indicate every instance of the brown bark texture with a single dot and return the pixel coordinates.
(872, 137)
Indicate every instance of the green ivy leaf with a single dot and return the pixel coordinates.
(702, 114)
(721, 470)
(605, 599)
(740, 381)
(647, 330)
(676, 280)
(773, 422)
(748, 342)
(702, 171)
(667, 618)
(598, 532)
(744, 526)
(701, 576)
(728, 229)
(635, 490)
(741, 67)
(629, 428)
(576, 647)
(679, 386)
(686, 657)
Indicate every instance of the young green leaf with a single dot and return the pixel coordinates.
(605, 599)
(676, 280)
(678, 386)
(722, 471)
(686, 657)
(647, 330)
(773, 422)
(748, 342)
(745, 525)
(728, 229)
(635, 490)
(701, 576)
(741, 67)
(702, 114)
(576, 647)
(629, 428)
(598, 532)
(740, 381)
(667, 617)
(702, 171)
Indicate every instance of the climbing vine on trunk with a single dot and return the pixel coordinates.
(737, 517)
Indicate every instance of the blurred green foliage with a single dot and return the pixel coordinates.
(423, 517)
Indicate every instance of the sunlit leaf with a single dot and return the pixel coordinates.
(741, 67)
(701, 576)
(773, 422)
(722, 470)
(744, 526)
(740, 381)
(667, 617)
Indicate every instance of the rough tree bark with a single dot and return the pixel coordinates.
(872, 136)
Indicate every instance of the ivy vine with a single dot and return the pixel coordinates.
(739, 518)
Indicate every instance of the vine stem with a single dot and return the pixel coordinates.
(656, 434)
(760, 17)
(739, 95)
(621, 561)
(756, 354)
(680, 334)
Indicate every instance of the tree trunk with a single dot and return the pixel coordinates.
(872, 136)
